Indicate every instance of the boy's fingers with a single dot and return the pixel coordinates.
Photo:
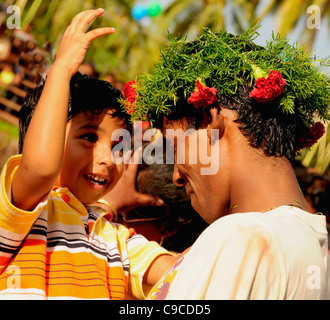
(87, 20)
(92, 35)
(83, 19)
(149, 200)
(136, 159)
(127, 158)
(137, 156)
(133, 158)
(77, 19)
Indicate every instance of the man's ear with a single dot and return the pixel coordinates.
(217, 126)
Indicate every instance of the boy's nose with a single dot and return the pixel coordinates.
(178, 178)
(104, 157)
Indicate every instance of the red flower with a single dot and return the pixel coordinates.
(203, 96)
(130, 95)
(316, 131)
(269, 88)
(144, 124)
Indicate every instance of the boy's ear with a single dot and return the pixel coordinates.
(217, 124)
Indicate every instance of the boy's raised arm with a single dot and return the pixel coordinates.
(45, 139)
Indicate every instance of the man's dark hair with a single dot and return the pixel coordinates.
(276, 133)
(278, 118)
(264, 125)
(88, 95)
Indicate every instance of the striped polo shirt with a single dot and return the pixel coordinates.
(63, 250)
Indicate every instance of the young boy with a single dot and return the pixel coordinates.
(50, 245)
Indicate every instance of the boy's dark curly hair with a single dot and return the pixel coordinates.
(88, 95)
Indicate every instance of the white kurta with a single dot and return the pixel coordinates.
(280, 254)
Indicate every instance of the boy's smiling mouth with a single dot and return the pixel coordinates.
(96, 181)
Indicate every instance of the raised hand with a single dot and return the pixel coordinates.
(76, 41)
(44, 143)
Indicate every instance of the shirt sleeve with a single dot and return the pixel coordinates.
(14, 222)
(141, 253)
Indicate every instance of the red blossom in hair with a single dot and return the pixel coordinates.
(269, 88)
(203, 96)
(130, 95)
(143, 124)
(316, 131)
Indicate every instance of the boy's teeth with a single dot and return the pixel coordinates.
(95, 178)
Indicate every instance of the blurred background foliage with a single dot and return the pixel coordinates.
(134, 47)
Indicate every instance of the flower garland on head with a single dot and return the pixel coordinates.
(269, 88)
(316, 131)
(281, 76)
(130, 97)
(203, 96)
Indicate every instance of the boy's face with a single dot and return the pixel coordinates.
(88, 170)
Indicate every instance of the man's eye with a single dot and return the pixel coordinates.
(91, 137)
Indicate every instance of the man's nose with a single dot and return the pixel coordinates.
(178, 178)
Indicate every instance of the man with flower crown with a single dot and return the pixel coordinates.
(259, 106)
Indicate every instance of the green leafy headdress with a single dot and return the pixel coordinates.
(286, 75)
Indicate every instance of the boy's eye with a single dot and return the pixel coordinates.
(91, 137)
